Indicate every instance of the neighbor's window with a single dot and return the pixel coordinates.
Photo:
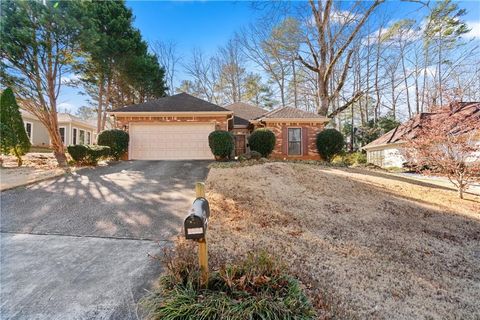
(74, 136)
(89, 137)
(82, 137)
(294, 141)
(61, 130)
(28, 128)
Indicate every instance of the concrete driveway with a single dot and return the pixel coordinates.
(76, 247)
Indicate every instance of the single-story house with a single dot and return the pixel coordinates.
(388, 150)
(177, 127)
(73, 130)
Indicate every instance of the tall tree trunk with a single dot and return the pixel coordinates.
(101, 88)
(417, 95)
(322, 96)
(107, 103)
(409, 107)
(352, 132)
(440, 82)
(295, 94)
(424, 91)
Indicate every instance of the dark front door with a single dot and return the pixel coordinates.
(239, 145)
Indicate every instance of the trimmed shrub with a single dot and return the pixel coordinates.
(78, 152)
(116, 139)
(95, 153)
(262, 141)
(255, 288)
(13, 137)
(222, 144)
(330, 142)
(88, 154)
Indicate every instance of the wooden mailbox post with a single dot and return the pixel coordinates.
(195, 226)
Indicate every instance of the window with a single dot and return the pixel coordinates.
(74, 136)
(28, 129)
(295, 141)
(82, 137)
(61, 130)
(89, 141)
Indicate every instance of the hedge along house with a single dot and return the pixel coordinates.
(171, 128)
(73, 130)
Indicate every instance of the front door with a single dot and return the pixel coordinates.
(240, 145)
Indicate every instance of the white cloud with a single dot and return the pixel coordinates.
(69, 78)
(475, 30)
(65, 107)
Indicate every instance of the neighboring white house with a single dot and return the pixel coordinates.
(73, 130)
(388, 150)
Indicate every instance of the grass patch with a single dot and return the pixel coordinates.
(256, 287)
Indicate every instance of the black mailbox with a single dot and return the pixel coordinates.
(196, 222)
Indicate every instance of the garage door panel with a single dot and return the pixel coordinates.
(170, 141)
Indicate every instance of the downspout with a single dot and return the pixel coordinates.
(228, 121)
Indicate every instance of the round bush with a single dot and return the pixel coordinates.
(78, 152)
(330, 142)
(95, 153)
(116, 139)
(222, 144)
(262, 141)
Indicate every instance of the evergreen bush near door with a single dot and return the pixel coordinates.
(222, 144)
(13, 137)
(262, 141)
(330, 142)
(116, 139)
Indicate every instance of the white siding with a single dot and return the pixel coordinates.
(386, 157)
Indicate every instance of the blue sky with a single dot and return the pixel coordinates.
(209, 24)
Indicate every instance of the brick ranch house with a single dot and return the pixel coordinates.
(177, 128)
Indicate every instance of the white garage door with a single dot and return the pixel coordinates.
(165, 141)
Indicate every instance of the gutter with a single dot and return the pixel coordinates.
(168, 114)
(379, 146)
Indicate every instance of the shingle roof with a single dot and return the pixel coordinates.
(62, 118)
(244, 112)
(291, 113)
(409, 129)
(182, 102)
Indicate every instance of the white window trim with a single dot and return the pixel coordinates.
(64, 134)
(301, 142)
(84, 136)
(31, 129)
(88, 134)
(74, 141)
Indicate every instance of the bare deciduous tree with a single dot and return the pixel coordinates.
(329, 42)
(447, 143)
(168, 58)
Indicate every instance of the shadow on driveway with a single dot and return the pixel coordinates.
(132, 199)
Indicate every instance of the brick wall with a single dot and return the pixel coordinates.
(312, 130)
(220, 121)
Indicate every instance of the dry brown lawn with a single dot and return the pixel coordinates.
(366, 244)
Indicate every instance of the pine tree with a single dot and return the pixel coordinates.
(13, 137)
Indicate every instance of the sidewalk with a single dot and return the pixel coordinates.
(16, 177)
(440, 181)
